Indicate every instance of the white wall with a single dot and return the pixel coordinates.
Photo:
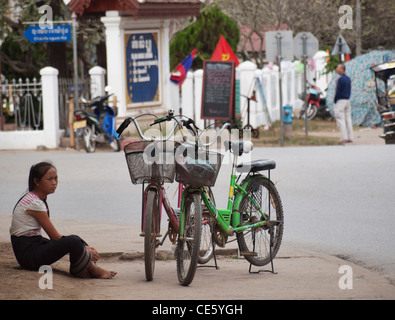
(265, 110)
(50, 135)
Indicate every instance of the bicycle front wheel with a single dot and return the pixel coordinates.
(189, 244)
(207, 245)
(150, 231)
(260, 245)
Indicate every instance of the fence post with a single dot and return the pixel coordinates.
(97, 75)
(247, 84)
(71, 121)
(198, 88)
(50, 96)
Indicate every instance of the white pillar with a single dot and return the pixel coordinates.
(165, 62)
(50, 96)
(115, 56)
(247, 84)
(198, 88)
(258, 117)
(98, 81)
(187, 101)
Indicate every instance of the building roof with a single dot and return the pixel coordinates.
(254, 42)
(139, 8)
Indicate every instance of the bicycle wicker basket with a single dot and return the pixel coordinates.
(148, 161)
(198, 168)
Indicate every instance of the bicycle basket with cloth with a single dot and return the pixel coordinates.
(149, 161)
(197, 168)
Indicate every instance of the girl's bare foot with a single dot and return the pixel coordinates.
(94, 271)
(100, 273)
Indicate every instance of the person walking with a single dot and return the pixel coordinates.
(31, 214)
(342, 107)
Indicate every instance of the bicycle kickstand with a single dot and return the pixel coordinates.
(215, 259)
(270, 251)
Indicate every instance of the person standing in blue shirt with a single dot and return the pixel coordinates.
(342, 104)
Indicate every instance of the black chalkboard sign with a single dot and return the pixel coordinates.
(218, 90)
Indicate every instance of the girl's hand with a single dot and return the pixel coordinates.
(94, 253)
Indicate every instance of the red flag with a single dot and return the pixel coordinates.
(183, 68)
(223, 52)
(348, 57)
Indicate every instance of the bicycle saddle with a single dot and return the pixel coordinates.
(238, 147)
(257, 165)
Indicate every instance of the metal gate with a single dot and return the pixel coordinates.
(21, 104)
(66, 92)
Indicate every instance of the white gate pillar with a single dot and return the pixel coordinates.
(97, 75)
(50, 96)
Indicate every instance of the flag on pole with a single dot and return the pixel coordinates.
(223, 52)
(182, 69)
(348, 57)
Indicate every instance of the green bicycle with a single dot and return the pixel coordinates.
(254, 210)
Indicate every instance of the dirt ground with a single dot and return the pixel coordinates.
(301, 275)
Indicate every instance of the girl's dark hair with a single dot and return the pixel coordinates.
(37, 171)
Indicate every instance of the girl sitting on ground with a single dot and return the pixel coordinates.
(31, 213)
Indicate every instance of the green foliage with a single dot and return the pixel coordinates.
(204, 35)
(333, 60)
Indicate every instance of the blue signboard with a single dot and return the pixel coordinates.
(142, 69)
(58, 33)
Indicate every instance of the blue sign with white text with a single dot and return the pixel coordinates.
(142, 69)
(58, 33)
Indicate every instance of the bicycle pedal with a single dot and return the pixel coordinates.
(142, 234)
(248, 253)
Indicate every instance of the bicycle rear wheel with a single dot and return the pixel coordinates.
(260, 245)
(150, 231)
(188, 246)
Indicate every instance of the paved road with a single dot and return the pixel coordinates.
(339, 199)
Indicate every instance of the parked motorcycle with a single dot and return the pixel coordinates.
(323, 111)
(385, 79)
(95, 123)
(316, 105)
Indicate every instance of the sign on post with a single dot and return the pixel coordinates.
(305, 45)
(279, 45)
(341, 46)
(58, 33)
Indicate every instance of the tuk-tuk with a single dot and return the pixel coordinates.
(385, 92)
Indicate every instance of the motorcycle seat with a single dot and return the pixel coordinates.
(256, 166)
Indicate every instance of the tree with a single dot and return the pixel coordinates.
(20, 58)
(320, 17)
(203, 35)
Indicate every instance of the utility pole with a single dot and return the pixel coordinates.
(279, 59)
(304, 39)
(358, 49)
(76, 91)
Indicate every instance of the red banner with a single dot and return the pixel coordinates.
(223, 52)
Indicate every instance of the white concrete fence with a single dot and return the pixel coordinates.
(247, 74)
(267, 107)
(50, 135)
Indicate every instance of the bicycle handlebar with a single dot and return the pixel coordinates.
(178, 123)
(127, 122)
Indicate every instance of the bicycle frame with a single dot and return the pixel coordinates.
(228, 219)
(163, 200)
